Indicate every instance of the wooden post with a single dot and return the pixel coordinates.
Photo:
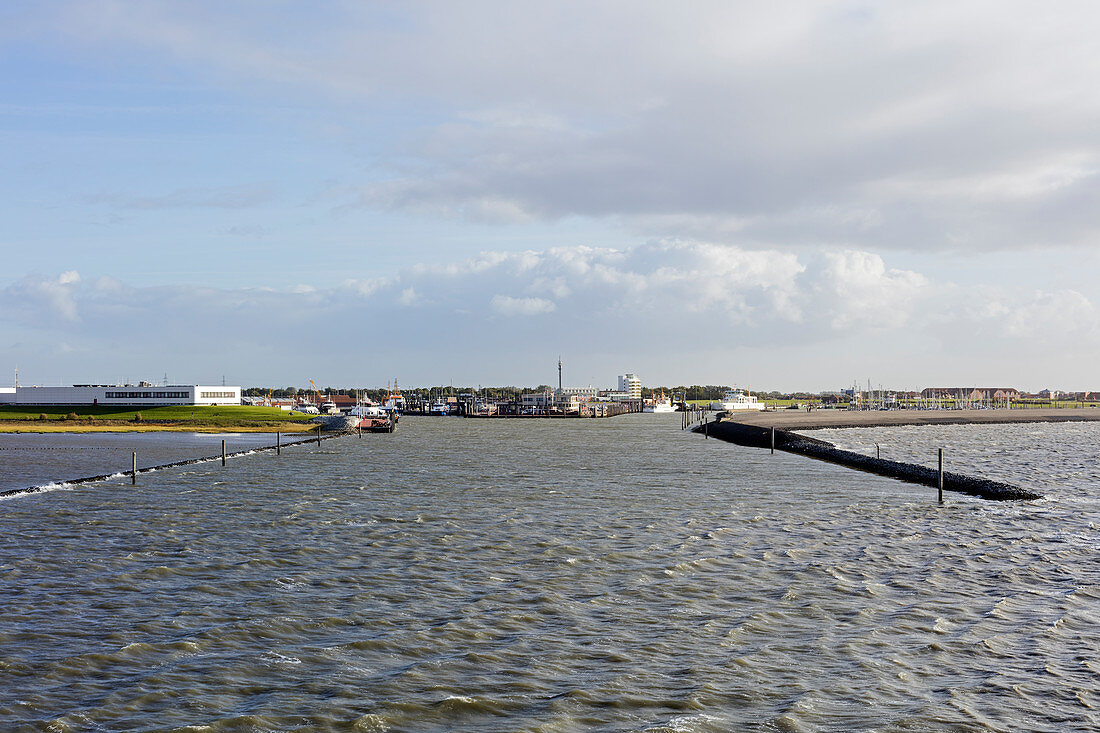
(705, 431)
(941, 476)
(318, 435)
(223, 451)
(133, 469)
(278, 444)
(878, 451)
(773, 441)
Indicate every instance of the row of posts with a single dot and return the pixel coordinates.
(278, 452)
(691, 417)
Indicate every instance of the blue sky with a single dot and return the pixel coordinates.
(790, 198)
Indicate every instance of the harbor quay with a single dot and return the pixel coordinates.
(820, 419)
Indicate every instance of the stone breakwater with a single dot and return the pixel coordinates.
(754, 436)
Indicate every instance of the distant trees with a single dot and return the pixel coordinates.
(708, 393)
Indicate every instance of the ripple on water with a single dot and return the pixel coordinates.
(559, 576)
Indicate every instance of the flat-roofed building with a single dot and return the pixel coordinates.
(632, 385)
(143, 394)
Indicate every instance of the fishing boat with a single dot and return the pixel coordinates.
(737, 399)
(660, 404)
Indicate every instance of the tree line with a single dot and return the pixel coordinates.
(709, 392)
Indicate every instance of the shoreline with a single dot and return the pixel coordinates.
(821, 419)
(73, 426)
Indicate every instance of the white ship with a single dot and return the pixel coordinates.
(737, 399)
(660, 404)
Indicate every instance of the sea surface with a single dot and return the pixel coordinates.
(42, 459)
(553, 575)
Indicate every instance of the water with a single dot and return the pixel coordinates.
(554, 576)
(42, 459)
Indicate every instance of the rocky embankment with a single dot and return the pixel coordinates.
(755, 436)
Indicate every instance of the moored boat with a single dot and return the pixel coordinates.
(737, 399)
(660, 404)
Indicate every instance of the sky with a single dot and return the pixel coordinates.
(789, 196)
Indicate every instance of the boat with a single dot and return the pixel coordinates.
(369, 411)
(394, 401)
(737, 399)
(439, 408)
(308, 409)
(660, 404)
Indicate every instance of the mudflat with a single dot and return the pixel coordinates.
(800, 419)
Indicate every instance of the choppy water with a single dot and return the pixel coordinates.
(553, 576)
(42, 459)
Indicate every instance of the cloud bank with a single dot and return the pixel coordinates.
(875, 125)
(674, 310)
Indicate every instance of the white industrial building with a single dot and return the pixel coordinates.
(142, 394)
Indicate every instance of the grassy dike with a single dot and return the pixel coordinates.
(182, 418)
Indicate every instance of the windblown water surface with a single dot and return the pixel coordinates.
(557, 576)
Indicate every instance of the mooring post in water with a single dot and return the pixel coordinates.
(878, 451)
(941, 476)
(705, 431)
(223, 451)
(133, 468)
(278, 444)
(318, 435)
(773, 441)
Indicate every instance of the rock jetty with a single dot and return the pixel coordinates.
(755, 436)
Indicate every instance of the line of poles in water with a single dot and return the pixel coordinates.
(278, 448)
(692, 416)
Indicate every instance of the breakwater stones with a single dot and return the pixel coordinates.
(758, 437)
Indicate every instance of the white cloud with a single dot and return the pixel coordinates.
(886, 125)
(48, 299)
(509, 306)
(644, 305)
(860, 290)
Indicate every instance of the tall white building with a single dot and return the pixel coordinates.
(631, 385)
